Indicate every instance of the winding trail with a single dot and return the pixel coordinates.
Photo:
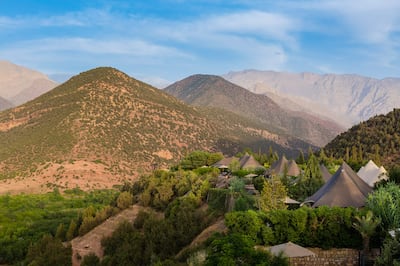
(91, 242)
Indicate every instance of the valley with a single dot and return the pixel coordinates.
(134, 172)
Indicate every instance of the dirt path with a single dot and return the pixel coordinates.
(91, 242)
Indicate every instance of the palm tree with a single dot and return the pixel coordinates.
(366, 226)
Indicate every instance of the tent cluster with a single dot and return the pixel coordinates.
(245, 162)
(284, 167)
(345, 188)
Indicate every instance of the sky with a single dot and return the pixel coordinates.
(162, 41)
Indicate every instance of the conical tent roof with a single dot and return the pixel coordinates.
(224, 163)
(247, 161)
(371, 173)
(293, 169)
(344, 189)
(278, 167)
(325, 173)
(290, 250)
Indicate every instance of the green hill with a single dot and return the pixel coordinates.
(377, 138)
(127, 127)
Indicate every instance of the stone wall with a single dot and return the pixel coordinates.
(331, 257)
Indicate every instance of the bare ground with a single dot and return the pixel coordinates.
(91, 242)
(85, 175)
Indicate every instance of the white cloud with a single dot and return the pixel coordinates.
(369, 21)
(130, 47)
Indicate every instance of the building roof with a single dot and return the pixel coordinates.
(290, 250)
(325, 173)
(247, 161)
(371, 173)
(293, 169)
(283, 166)
(224, 163)
(344, 189)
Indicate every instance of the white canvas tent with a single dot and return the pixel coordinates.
(371, 173)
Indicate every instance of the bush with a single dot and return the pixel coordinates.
(124, 200)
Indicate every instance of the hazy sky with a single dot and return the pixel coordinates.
(171, 39)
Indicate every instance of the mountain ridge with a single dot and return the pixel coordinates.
(119, 127)
(19, 84)
(211, 90)
(346, 98)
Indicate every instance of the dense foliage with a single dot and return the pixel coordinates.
(377, 138)
(151, 238)
(24, 219)
(322, 227)
(238, 249)
(384, 202)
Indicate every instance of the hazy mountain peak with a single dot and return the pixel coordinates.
(346, 98)
(19, 84)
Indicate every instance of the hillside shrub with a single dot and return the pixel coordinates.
(322, 227)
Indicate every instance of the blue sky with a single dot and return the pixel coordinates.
(164, 41)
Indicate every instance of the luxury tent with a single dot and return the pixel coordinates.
(224, 163)
(344, 189)
(291, 250)
(283, 165)
(325, 173)
(372, 174)
(245, 162)
(248, 162)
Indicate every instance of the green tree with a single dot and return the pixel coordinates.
(237, 249)
(72, 230)
(49, 251)
(366, 226)
(384, 202)
(394, 174)
(125, 200)
(273, 195)
(60, 233)
(244, 222)
(234, 166)
(301, 159)
(390, 253)
(236, 184)
(311, 180)
(90, 260)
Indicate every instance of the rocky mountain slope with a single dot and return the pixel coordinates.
(348, 99)
(214, 91)
(378, 139)
(104, 125)
(19, 84)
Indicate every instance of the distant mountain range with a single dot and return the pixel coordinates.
(105, 118)
(214, 91)
(348, 99)
(19, 84)
(4, 104)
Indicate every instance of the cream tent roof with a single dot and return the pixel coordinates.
(344, 189)
(248, 162)
(371, 173)
(291, 250)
